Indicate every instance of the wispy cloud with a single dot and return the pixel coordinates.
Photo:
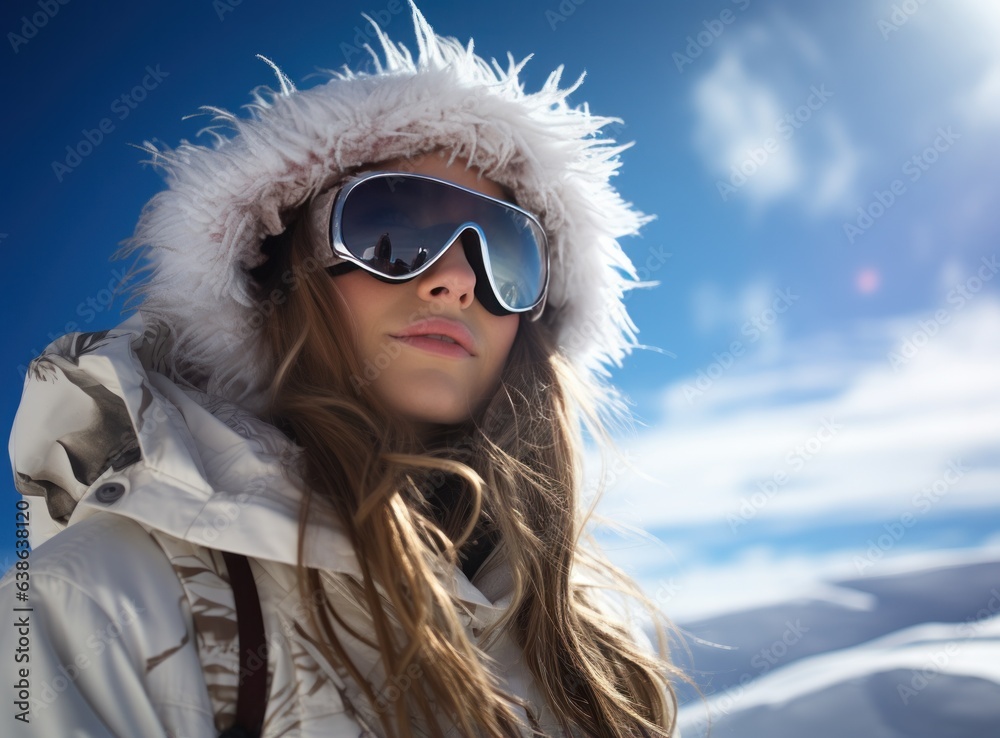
(766, 136)
(737, 115)
(899, 422)
(919, 392)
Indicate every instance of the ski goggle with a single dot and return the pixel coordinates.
(396, 225)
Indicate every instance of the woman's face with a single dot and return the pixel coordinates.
(419, 375)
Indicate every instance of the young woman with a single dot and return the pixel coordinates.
(326, 480)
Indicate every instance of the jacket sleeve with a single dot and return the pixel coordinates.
(102, 653)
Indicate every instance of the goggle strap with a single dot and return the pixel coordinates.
(320, 219)
(342, 267)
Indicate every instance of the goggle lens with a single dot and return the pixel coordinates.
(395, 224)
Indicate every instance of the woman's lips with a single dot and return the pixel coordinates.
(433, 345)
(440, 336)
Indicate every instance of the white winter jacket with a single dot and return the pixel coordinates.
(127, 627)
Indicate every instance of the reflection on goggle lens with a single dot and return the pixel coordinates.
(395, 224)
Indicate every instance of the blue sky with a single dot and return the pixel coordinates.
(824, 182)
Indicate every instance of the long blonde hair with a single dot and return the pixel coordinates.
(516, 467)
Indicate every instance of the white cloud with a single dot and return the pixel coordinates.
(737, 115)
(891, 438)
(765, 136)
(891, 431)
(689, 589)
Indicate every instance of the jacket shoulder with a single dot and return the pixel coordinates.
(102, 550)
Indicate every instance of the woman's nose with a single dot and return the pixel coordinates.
(451, 279)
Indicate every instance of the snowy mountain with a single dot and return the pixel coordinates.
(910, 654)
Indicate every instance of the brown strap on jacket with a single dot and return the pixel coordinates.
(251, 701)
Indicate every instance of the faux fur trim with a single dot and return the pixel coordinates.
(201, 235)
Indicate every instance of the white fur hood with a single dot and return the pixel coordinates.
(199, 236)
